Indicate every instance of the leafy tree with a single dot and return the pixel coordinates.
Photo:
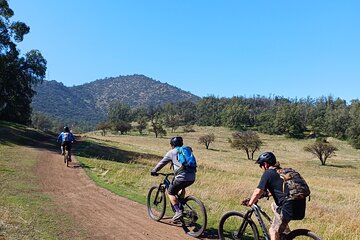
(337, 119)
(288, 120)
(353, 130)
(122, 126)
(103, 126)
(142, 124)
(187, 111)
(119, 112)
(41, 121)
(157, 126)
(321, 149)
(172, 117)
(208, 111)
(18, 74)
(207, 139)
(236, 116)
(248, 141)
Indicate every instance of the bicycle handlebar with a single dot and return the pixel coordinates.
(166, 174)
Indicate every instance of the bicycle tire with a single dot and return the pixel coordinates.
(194, 218)
(230, 223)
(302, 234)
(156, 207)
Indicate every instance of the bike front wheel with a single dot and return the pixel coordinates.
(300, 234)
(233, 225)
(194, 216)
(156, 203)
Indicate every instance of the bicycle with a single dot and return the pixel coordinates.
(237, 225)
(194, 217)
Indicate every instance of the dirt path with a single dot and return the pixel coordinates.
(101, 213)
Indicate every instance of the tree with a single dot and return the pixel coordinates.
(41, 121)
(353, 130)
(207, 139)
(157, 126)
(103, 126)
(321, 149)
(142, 124)
(18, 74)
(119, 112)
(236, 116)
(172, 117)
(122, 127)
(289, 120)
(248, 141)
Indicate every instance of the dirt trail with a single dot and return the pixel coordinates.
(101, 213)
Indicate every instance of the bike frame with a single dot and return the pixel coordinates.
(259, 213)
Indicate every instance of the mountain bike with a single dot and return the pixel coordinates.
(237, 225)
(194, 217)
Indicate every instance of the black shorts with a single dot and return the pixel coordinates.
(67, 145)
(177, 185)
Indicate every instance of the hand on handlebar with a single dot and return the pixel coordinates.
(153, 173)
(245, 202)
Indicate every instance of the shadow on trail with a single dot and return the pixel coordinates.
(102, 151)
(16, 134)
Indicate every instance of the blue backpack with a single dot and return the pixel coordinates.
(186, 157)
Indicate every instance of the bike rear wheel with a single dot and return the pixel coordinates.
(194, 216)
(156, 203)
(230, 227)
(300, 234)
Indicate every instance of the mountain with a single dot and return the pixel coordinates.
(90, 102)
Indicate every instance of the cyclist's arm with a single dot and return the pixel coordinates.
(166, 159)
(255, 196)
(59, 138)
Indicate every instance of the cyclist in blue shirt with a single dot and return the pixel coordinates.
(66, 138)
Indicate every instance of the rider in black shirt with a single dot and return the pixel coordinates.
(284, 209)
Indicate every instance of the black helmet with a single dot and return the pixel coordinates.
(66, 129)
(268, 157)
(176, 141)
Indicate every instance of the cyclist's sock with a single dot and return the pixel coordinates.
(176, 207)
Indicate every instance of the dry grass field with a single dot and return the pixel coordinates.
(225, 176)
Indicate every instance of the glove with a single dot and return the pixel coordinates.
(153, 173)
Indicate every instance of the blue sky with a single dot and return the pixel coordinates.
(225, 48)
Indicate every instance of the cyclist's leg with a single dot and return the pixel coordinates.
(175, 187)
(279, 224)
(69, 149)
(62, 148)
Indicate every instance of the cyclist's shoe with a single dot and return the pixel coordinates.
(177, 216)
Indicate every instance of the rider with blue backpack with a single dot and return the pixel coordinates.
(66, 138)
(184, 165)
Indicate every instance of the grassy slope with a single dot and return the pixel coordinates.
(225, 176)
(26, 212)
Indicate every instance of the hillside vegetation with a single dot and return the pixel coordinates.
(90, 102)
(225, 176)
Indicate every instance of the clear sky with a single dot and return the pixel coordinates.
(208, 47)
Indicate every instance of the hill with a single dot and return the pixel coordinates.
(90, 102)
